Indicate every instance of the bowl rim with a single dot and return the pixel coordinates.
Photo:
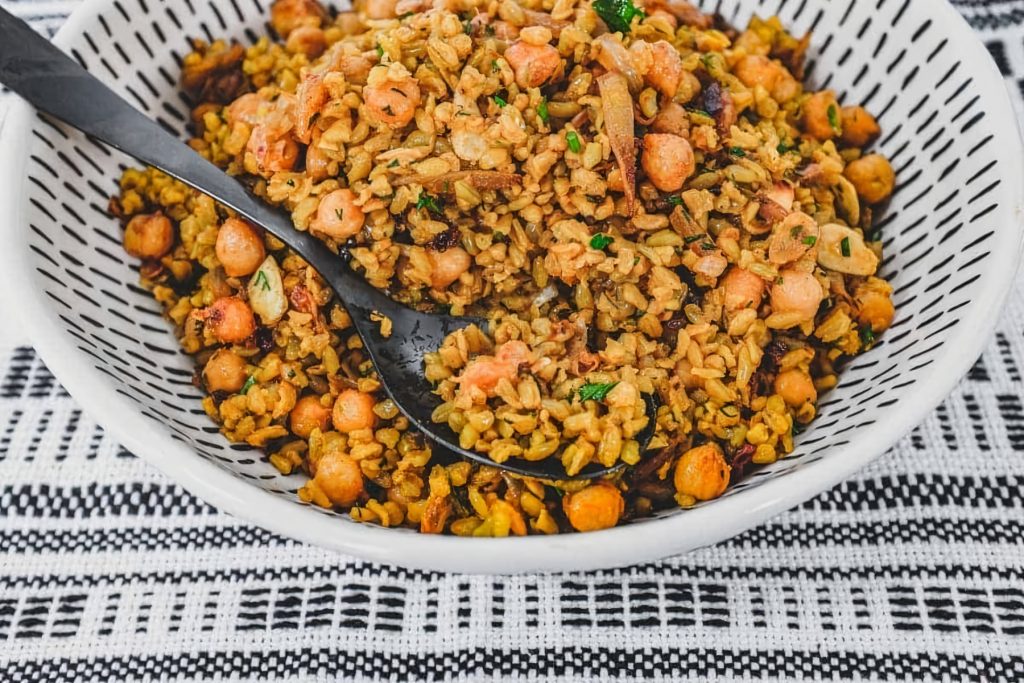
(625, 545)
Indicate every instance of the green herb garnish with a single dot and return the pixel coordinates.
(833, 118)
(340, 214)
(844, 246)
(867, 335)
(500, 101)
(467, 27)
(542, 109)
(737, 152)
(595, 392)
(783, 148)
(707, 245)
(262, 281)
(573, 141)
(393, 163)
(600, 241)
(495, 67)
(291, 182)
(810, 240)
(500, 237)
(425, 201)
(675, 200)
(380, 52)
(618, 14)
(690, 239)
(251, 380)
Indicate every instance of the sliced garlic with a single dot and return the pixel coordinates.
(843, 250)
(266, 292)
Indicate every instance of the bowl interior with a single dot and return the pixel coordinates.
(950, 233)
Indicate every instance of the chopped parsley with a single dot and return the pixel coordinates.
(618, 14)
(500, 237)
(380, 52)
(783, 148)
(844, 246)
(499, 100)
(427, 202)
(707, 245)
(467, 27)
(833, 118)
(340, 214)
(595, 392)
(251, 380)
(393, 163)
(867, 335)
(262, 281)
(573, 141)
(495, 67)
(600, 241)
(737, 152)
(542, 109)
(810, 240)
(675, 200)
(291, 182)
(690, 239)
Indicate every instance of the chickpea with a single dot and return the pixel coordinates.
(532, 64)
(873, 178)
(231, 320)
(288, 15)
(672, 118)
(393, 103)
(338, 216)
(380, 9)
(308, 40)
(353, 410)
(743, 289)
(239, 248)
(225, 371)
(149, 235)
(797, 292)
(755, 70)
(667, 160)
(859, 126)
(599, 506)
(795, 387)
(702, 472)
(822, 118)
(447, 266)
(268, 152)
(340, 478)
(666, 68)
(875, 309)
(307, 415)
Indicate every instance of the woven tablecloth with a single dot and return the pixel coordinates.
(912, 569)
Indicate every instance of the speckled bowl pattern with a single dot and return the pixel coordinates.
(952, 237)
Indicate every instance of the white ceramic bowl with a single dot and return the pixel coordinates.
(952, 237)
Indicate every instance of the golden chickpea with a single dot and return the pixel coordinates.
(821, 116)
(225, 371)
(149, 235)
(338, 216)
(702, 472)
(795, 387)
(743, 289)
(309, 40)
(287, 15)
(340, 478)
(755, 70)
(873, 178)
(307, 415)
(859, 126)
(798, 293)
(239, 248)
(599, 506)
(380, 9)
(353, 410)
(230, 320)
(875, 309)
(667, 160)
(447, 266)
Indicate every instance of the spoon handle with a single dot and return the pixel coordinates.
(55, 84)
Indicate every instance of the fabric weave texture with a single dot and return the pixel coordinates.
(912, 569)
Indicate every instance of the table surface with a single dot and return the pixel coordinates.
(913, 568)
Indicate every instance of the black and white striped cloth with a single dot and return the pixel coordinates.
(913, 569)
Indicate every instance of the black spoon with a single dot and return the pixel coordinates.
(54, 83)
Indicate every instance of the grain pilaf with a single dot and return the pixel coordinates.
(640, 199)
